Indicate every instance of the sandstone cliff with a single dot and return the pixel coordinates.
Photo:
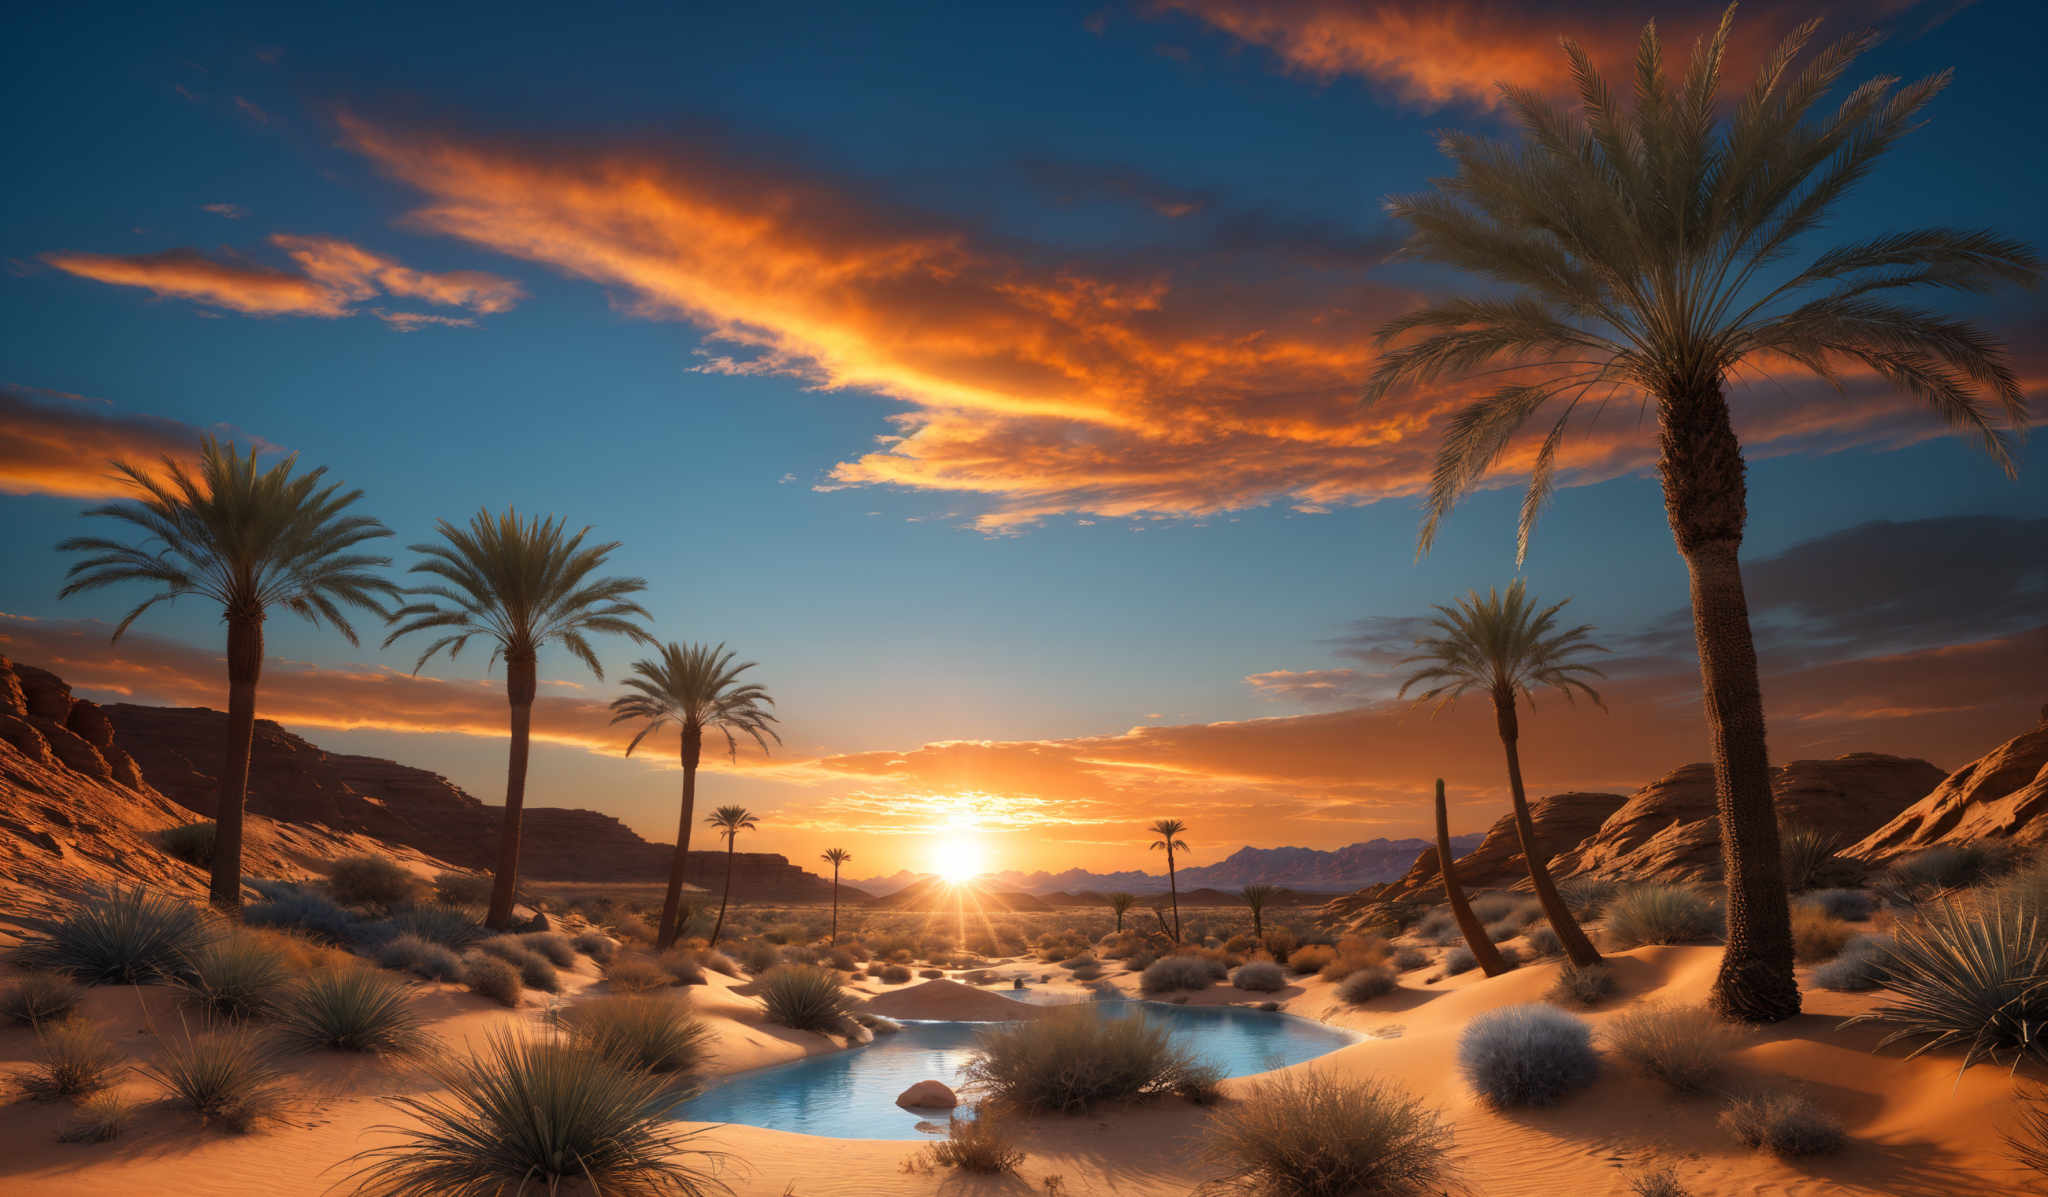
(2002, 795)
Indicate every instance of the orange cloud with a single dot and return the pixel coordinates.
(330, 276)
(53, 443)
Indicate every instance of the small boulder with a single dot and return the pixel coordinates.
(927, 1095)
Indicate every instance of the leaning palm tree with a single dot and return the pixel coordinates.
(729, 821)
(1168, 831)
(694, 688)
(521, 585)
(251, 540)
(1255, 899)
(1649, 250)
(1484, 953)
(1120, 903)
(835, 857)
(1502, 644)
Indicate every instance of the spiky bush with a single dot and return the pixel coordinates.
(1319, 1136)
(1543, 942)
(1807, 853)
(805, 997)
(71, 1059)
(223, 1076)
(374, 881)
(1459, 960)
(981, 1145)
(535, 970)
(189, 842)
(36, 999)
(1259, 976)
(1661, 1181)
(306, 912)
(98, 1119)
(554, 945)
(1785, 1124)
(492, 978)
(350, 1010)
(657, 1033)
(596, 945)
(1817, 935)
(1686, 1047)
(1660, 914)
(124, 935)
(2028, 1138)
(1169, 974)
(237, 978)
(462, 889)
(1942, 868)
(421, 958)
(1975, 979)
(1076, 1056)
(450, 926)
(1850, 905)
(538, 1114)
(1587, 897)
(1366, 984)
(1859, 967)
(1529, 1055)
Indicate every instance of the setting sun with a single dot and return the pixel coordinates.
(958, 858)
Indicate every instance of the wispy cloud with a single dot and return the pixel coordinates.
(56, 443)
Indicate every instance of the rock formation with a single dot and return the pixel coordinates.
(2002, 795)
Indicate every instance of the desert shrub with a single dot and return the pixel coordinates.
(123, 935)
(1686, 1047)
(1975, 979)
(1439, 927)
(1491, 908)
(686, 967)
(1851, 905)
(223, 1076)
(1310, 958)
(1407, 959)
(1583, 984)
(2024, 889)
(237, 978)
(1784, 1123)
(350, 1010)
(1587, 897)
(493, 978)
(759, 957)
(980, 1144)
(636, 974)
(805, 997)
(1543, 942)
(1502, 931)
(98, 1118)
(1807, 852)
(306, 912)
(449, 926)
(462, 889)
(422, 958)
(1076, 1056)
(554, 945)
(535, 1114)
(1366, 984)
(2027, 1141)
(931, 974)
(1943, 867)
(189, 842)
(892, 974)
(1653, 913)
(1087, 972)
(1661, 1181)
(1459, 960)
(535, 970)
(71, 1059)
(38, 998)
(630, 926)
(1858, 969)
(1529, 1055)
(1319, 1136)
(1355, 952)
(1260, 976)
(1817, 935)
(596, 945)
(375, 881)
(657, 1033)
(719, 962)
(843, 959)
(1171, 973)
(1281, 942)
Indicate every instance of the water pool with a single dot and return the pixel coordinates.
(852, 1094)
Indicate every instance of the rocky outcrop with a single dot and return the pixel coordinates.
(2000, 796)
(1562, 822)
(1669, 830)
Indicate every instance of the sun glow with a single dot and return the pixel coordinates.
(958, 858)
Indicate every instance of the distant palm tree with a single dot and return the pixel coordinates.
(1256, 897)
(835, 857)
(249, 540)
(1483, 952)
(1120, 903)
(695, 688)
(1649, 249)
(1502, 644)
(1168, 831)
(729, 821)
(521, 585)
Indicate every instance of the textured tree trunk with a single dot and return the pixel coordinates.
(725, 899)
(521, 682)
(245, 666)
(1705, 499)
(1577, 948)
(1483, 950)
(1173, 888)
(835, 903)
(671, 905)
(1258, 923)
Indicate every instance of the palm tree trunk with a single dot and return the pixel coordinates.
(1577, 948)
(1173, 887)
(1482, 947)
(245, 666)
(726, 898)
(522, 680)
(671, 905)
(1258, 923)
(835, 903)
(1706, 501)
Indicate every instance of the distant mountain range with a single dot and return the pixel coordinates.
(1339, 870)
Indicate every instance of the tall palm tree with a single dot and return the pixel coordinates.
(1502, 644)
(249, 539)
(1483, 952)
(1119, 904)
(835, 857)
(1649, 250)
(730, 821)
(521, 585)
(1168, 831)
(695, 688)
(1255, 897)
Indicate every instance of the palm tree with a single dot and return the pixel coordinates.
(835, 857)
(1168, 831)
(1120, 903)
(1476, 938)
(521, 585)
(1649, 249)
(695, 688)
(1502, 644)
(1256, 897)
(249, 539)
(730, 821)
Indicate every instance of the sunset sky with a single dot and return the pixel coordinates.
(987, 374)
